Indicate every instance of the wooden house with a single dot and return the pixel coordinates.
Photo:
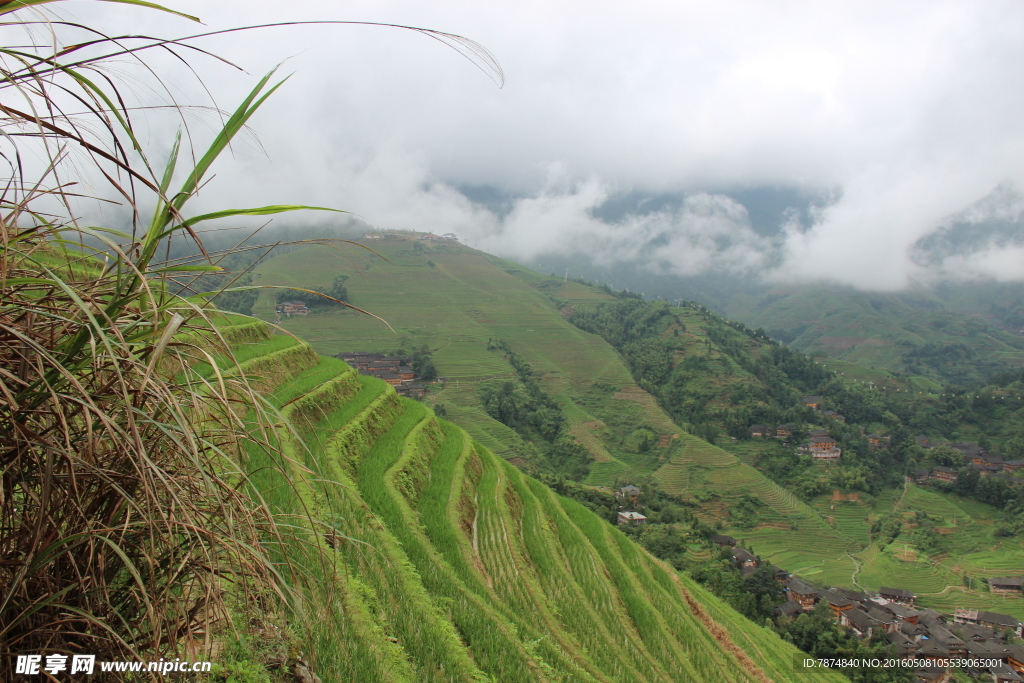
(904, 614)
(1015, 657)
(629, 492)
(1007, 584)
(722, 541)
(811, 401)
(760, 430)
(822, 443)
(798, 591)
(858, 621)
(946, 474)
(836, 602)
(743, 557)
(903, 597)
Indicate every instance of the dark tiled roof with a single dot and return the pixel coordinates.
(1008, 581)
(799, 587)
(996, 618)
(901, 611)
(742, 555)
(896, 592)
(789, 608)
(834, 598)
(859, 618)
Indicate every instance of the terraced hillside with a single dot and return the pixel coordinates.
(428, 558)
(466, 298)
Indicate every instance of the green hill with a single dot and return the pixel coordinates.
(958, 334)
(431, 559)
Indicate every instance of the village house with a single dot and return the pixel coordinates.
(789, 609)
(1004, 674)
(904, 645)
(898, 595)
(1007, 584)
(743, 557)
(822, 443)
(798, 591)
(389, 377)
(783, 431)
(946, 474)
(836, 602)
(992, 620)
(1015, 657)
(388, 368)
(629, 492)
(972, 633)
(812, 401)
(1013, 465)
(722, 541)
(760, 430)
(903, 614)
(886, 621)
(830, 455)
(631, 519)
(876, 441)
(290, 308)
(933, 674)
(858, 621)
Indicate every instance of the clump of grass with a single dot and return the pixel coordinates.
(124, 521)
(128, 525)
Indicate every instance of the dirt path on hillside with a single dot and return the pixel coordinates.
(857, 568)
(906, 486)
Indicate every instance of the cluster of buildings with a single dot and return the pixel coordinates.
(392, 369)
(920, 633)
(915, 633)
(976, 457)
(820, 445)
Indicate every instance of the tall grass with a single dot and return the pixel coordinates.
(124, 520)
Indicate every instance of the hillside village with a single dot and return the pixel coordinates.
(394, 370)
(823, 447)
(913, 633)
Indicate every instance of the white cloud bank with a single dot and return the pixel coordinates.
(910, 110)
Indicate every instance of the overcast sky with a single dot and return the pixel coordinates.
(898, 116)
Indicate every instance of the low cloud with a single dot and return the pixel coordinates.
(905, 114)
